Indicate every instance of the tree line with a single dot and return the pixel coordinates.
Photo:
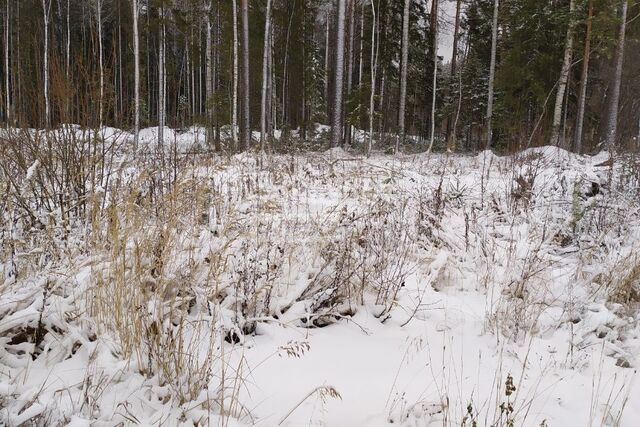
(522, 72)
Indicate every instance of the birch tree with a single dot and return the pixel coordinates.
(337, 128)
(136, 74)
(46, 9)
(7, 86)
(434, 12)
(564, 76)
(492, 72)
(208, 73)
(246, 126)
(100, 62)
(584, 77)
(265, 75)
(161, 79)
(612, 122)
(234, 103)
(403, 74)
(374, 68)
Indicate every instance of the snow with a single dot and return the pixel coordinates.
(495, 268)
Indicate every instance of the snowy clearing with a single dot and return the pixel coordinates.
(328, 289)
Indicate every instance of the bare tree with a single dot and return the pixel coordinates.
(136, 74)
(246, 126)
(161, 80)
(265, 75)
(434, 25)
(612, 123)
(583, 81)
(564, 76)
(337, 128)
(100, 62)
(7, 86)
(46, 9)
(234, 114)
(492, 72)
(403, 74)
(374, 69)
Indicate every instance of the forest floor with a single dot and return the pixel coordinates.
(332, 289)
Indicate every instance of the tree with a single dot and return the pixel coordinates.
(246, 125)
(403, 74)
(612, 122)
(234, 102)
(337, 128)
(136, 74)
(564, 76)
(434, 29)
(265, 74)
(46, 9)
(583, 82)
(492, 72)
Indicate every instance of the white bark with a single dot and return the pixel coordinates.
(583, 82)
(564, 77)
(46, 8)
(136, 74)
(68, 50)
(435, 76)
(100, 62)
(492, 73)
(208, 73)
(326, 63)
(6, 65)
(246, 131)
(161, 82)
(374, 69)
(403, 74)
(337, 128)
(234, 114)
(352, 13)
(612, 125)
(265, 75)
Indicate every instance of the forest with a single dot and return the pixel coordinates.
(526, 72)
(423, 213)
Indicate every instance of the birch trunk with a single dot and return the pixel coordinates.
(161, 83)
(492, 72)
(234, 113)
(100, 62)
(136, 75)
(46, 7)
(584, 78)
(337, 128)
(374, 68)
(208, 74)
(434, 11)
(403, 75)
(564, 77)
(246, 126)
(6, 65)
(612, 123)
(265, 75)
(352, 13)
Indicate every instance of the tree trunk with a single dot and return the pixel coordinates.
(265, 75)
(612, 123)
(492, 73)
(161, 82)
(208, 74)
(326, 65)
(564, 77)
(337, 128)
(403, 74)
(46, 7)
(434, 14)
(583, 82)
(374, 69)
(6, 66)
(100, 62)
(234, 113)
(136, 75)
(246, 127)
(352, 13)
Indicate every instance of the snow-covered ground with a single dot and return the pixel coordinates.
(331, 289)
